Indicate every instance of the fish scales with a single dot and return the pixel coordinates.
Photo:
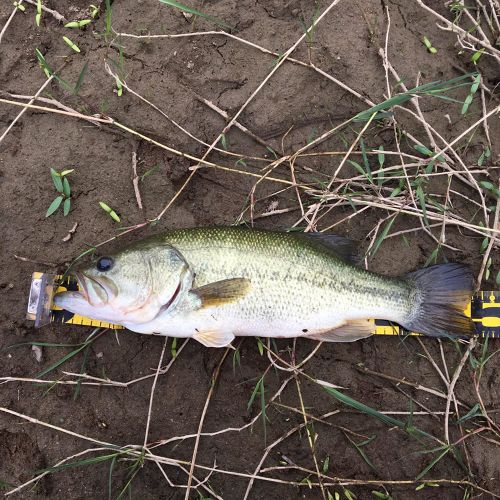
(214, 283)
(293, 278)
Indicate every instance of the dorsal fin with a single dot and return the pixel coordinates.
(342, 247)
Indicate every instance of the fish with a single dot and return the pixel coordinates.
(215, 283)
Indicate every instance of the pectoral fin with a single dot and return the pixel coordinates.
(213, 338)
(348, 332)
(222, 292)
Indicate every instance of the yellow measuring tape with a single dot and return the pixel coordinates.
(484, 309)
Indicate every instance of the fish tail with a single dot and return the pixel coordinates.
(440, 295)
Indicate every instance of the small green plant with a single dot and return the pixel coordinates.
(194, 12)
(490, 187)
(120, 70)
(109, 211)
(310, 30)
(38, 16)
(119, 87)
(429, 45)
(475, 57)
(426, 485)
(236, 360)
(484, 156)
(108, 12)
(383, 496)
(62, 186)
(260, 346)
(260, 390)
(149, 172)
(382, 235)
(473, 90)
(94, 10)
(441, 452)
(71, 44)
(65, 85)
(19, 6)
(78, 24)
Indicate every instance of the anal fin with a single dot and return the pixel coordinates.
(348, 332)
(212, 338)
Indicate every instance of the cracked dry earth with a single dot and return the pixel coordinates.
(296, 105)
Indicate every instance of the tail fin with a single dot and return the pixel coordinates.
(441, 294)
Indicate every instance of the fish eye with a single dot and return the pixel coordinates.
(104, 264)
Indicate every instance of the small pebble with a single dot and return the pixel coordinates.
(37, 352)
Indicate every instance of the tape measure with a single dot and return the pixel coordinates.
(484, 309)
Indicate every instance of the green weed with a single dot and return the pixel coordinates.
(78, 24)
(429, 46)
(61, 183)
(189, 10)
(73, 45)
(473, 89)
(109, 211)
(38, 16)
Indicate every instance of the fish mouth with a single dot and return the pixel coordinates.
(92, 290)
(82, 286)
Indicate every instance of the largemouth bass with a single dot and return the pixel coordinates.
(213, 284)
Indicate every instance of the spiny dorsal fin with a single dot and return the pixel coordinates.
(222, 292)
(348, 332)
(343, 247)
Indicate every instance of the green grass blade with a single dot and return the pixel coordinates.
(127, 488)
(68, 356)
(473, 412)
(60, 362)
(185, 8)
(365, 156)
(348, 401)
(359, 449)
(108, 13)
(41, 344)
(431, 88)
(433, 463)
(82, 371)
(79, 82)
(361, 170)
(421, 198)
(254, 393)
(382, 236)
(110, 480)
(263, 408)
(78, 463)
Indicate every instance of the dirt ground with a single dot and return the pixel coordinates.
(295, 106)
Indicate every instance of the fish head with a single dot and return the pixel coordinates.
(132, 286)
